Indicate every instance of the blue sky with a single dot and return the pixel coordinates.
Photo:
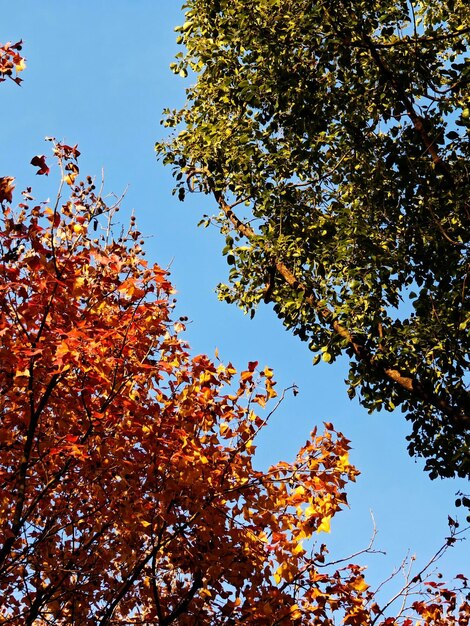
(98, 76)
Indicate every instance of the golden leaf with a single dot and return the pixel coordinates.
(325, 525)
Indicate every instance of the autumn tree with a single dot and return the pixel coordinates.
(127, 489)
(332, 137)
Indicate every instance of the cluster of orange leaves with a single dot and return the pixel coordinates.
(11, 61)
(126, 481)
(128, 493)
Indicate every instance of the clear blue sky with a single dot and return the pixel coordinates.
(98, 76)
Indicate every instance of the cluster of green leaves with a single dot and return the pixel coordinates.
(333, 137)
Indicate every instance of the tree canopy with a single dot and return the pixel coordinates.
(127, 489)
(333, 139)
(128, 493)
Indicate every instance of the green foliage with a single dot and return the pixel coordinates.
(333, 137)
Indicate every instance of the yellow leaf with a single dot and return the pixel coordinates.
(310, 511)
(343, 462)
(23, 373)
(69, 178)
(20, 66)
(284, 572)
(325, 525)
(360, 584)
(268, 372)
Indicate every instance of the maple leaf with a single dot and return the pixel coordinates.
(40, 162)
(68, 152)
(325, 526)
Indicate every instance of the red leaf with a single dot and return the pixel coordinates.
(70, 151)
(71, 438)
(40, 161)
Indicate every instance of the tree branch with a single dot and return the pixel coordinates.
(418, 122)
(407, 41)
(23, 470)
